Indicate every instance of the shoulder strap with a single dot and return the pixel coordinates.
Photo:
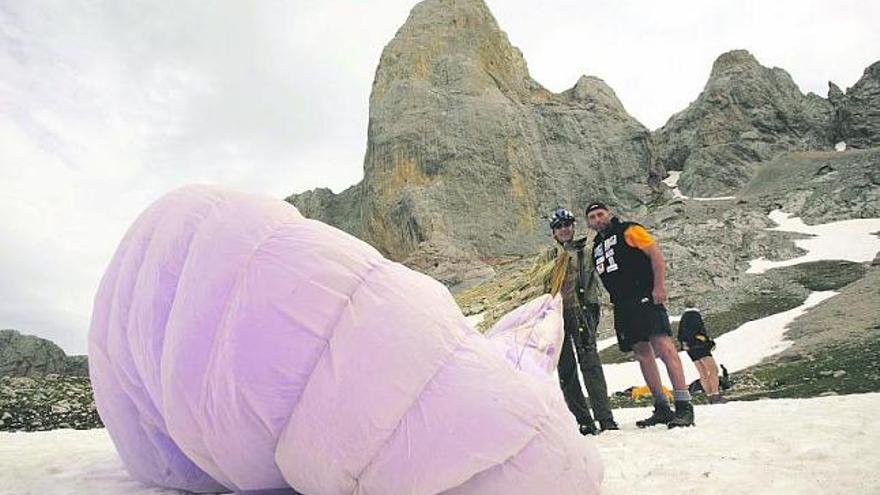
(582, 282)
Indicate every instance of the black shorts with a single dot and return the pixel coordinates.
(638, 322)
(697, 353)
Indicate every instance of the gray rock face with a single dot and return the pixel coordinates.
(708, 244)
(342, 210)
(29, 356)
(820, 186)
(467, 153)
(745, 115)
(825, 324)
(857, 113)
(76, 366)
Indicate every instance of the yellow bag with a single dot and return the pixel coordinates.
(637, 392)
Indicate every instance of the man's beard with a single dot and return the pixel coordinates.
(606, 224)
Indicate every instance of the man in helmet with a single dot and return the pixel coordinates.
(575, 279)
(632, 269)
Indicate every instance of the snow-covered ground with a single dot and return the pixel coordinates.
(69, 462)
(672, 182)
(825, 445)
(605, 343)
(851, 240)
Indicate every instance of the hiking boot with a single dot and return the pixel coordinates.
(662, 415)
(588, 429)
(717, 399)
(607, 424)
(684, 415)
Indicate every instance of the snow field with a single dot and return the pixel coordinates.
(824, 445)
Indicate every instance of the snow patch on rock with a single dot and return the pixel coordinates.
(850, 240)
(672, 182)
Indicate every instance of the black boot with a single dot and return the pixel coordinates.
(662, 415)
(684, 414)
(588, 429)
(607, 424)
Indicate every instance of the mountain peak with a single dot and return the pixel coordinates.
(856, 121)
(595, 91)
(873, 71)
(453, 45)
(434, 9)
(734, 60)
(745, 115)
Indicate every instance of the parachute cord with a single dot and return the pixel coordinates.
(557, 276)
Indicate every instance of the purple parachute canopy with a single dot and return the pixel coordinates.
(236, 346)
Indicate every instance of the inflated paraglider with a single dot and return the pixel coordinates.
(238, 346)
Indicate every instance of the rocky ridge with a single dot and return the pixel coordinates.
(857, 112)
(30, 356)
(746, 114)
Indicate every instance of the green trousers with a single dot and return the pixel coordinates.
(579, 348)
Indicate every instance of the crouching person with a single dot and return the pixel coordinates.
(696, 342)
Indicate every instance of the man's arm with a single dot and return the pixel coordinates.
(636, 236)
(658, 266)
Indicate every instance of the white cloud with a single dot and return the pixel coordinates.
(105, 105)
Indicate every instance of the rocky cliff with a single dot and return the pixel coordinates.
(746, 114)
(857, 112)
(30, 356)
(466, 152)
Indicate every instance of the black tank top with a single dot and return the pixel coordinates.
(625, 271)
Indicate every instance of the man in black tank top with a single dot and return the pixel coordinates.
(632, 269)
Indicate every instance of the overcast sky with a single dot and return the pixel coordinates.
(106, 105)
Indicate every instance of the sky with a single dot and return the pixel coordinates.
(107, 105)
